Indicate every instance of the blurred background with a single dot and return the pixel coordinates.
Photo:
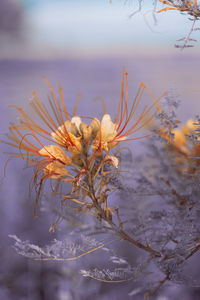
(84, 45)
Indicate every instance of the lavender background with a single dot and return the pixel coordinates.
(161, 67)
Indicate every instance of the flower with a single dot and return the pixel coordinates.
(29, 137)
(51, 159)
(191, 7)
(69, 150)
(56, 168)
(186, 150)
(52, 171)
(72, 136)
(107, 136)
(66, 139)
(181, 141)
(189, 127)
(57, 154)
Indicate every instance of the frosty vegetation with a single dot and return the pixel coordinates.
(149, 204)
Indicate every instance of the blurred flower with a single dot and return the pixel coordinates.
(180, 140)
(191, 7)
(185, 145)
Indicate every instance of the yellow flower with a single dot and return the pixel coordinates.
(29, 137)
(73, 135)
(189, 127)
(107, 136)
(179, 139)
(57, 154)
(68, 135)
(67, 140)
(181, 143)
(52, 171)
(58, 159)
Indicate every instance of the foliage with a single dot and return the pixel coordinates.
(155, 211)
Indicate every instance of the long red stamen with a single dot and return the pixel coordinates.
(63, 103)
(54, 96)
(45, 114)
(128, 132)
(121, 97)
(23, 137)
(133, 112)
(126, 103)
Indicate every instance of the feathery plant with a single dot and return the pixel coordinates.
(158, 205)
(186, 7)
(191, 8)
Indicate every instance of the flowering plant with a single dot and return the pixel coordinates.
(191, 8)
(76, 152)
(88, 158)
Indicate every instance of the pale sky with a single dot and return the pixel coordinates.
(96, 27)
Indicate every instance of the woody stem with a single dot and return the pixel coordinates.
(100, 212)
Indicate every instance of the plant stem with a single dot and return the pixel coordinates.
(126, 237)
(147, 295)
(118, 230)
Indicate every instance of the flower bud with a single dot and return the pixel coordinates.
(76, 121)
(71, 128)
(95, 126)
(86, 131)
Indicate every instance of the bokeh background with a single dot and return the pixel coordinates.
(84, 45)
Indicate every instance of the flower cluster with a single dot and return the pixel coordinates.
(68, 149)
